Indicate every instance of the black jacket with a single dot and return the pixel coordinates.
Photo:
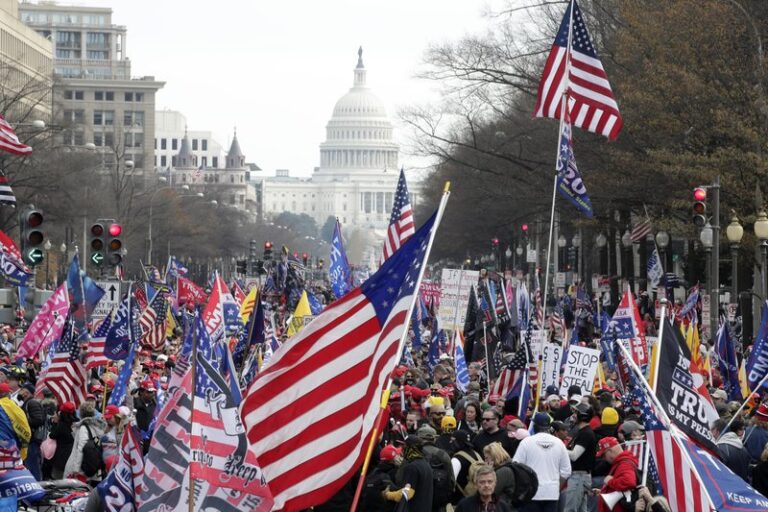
(62, 433)
(145, 411)
(35, 413)
(734, 455)
(418, 473)
(472, 504)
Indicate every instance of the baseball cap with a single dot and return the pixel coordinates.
(542, 419)
(69, 407)
(148, 385)
(720, 394)
(630, 426)
(90, 396)
(574, 400)
(606, 444)
(389, 452)
(110, 411)
(5, 387)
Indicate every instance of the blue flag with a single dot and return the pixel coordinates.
(569, 182)
(314, 304)
(655, 271)
(124, 330)
(462, 372)
(757, 364)
(176, 268)
(121, 386)
(339, 271)
(433, 356)
(728, 364)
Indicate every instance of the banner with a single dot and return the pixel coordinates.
(551, 357)
(628, 326)
(430, 292)
(757, 365)
(580, 368)
(339, 271)
(454, 293)
(570, 185)
(682, 390)
(47, 325)
(190, 292)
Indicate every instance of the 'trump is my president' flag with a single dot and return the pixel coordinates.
(757, 365)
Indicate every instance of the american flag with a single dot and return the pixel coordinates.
(9, 141)
(537, 306)
(401, 221)
(6, 193)
(557, 323)
(640, 231)
(66, 376)
(141, 297)
(152, 321)
(95, 354)
(510, 374)
(302, 384)
(176, 268)
(679, 483)
(579, 74)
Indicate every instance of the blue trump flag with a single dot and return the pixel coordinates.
(757, 365)
(339, 271)
(569, 182)
(123, 331)
(728, 364)
(462, 372)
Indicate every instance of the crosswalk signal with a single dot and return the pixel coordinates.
(699, 207)
(97, 243)
(114, 244)
(32, 236)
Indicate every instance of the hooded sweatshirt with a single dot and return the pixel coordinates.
(624, 478)
(734, 455)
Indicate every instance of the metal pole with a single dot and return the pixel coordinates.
(764, 264)
(149, 233)
(714, 288)
(735, 273)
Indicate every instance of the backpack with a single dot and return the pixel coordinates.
(474, 465)
(526, 484)
(92, 455)
(375, 483)
(442, 481)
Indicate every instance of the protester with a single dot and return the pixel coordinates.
(499, 459)
(756, 435)
(581, 451)
(759, 473)
(485, 499)
(416, 473)
(61, 432)
(491, 433)
(89, 428)
(623, 474)
(472, 417)
(380, 494)
(464, 457)
(38, 425)
(730, 447)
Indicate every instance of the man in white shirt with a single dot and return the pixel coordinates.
(548, 457)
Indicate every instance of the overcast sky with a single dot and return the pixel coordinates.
(276, 68)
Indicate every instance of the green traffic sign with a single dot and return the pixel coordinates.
(97, 258)
(35, 256)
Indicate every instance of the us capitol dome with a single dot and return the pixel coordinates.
(357, 175)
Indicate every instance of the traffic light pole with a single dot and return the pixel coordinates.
(714, 289)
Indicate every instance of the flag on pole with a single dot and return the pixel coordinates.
(189, 292)
(462, 371)
(238, 294)
(176, 268)
(573, 68)
(302, 384)
(119, 490)
(95, 353)
(655, 271)
(9, 141)
(302, 315)
(247, 306)
(757, 364)
(510, 374)
(640, 231)
(123, 331)
(727, 363)
(66, 376)
(401, 225)
(152, 321)
(570, 185)
(6, 192)
(48, 325)
(339, 272)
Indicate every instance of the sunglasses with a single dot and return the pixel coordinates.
(488, 419)
(438, 414)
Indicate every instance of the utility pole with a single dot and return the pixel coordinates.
(714, 289)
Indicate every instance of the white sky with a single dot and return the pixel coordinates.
(275, 68)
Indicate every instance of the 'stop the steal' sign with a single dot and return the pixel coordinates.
(580, 368)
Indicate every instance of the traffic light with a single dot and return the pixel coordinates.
(494, 243)
(305, 258)
(524, 229)
(97, 243)
(267, 251)
(242, 267)
(699, 207)
(32, 236)
(114, 244)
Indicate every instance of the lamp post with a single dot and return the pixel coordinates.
(576, 241)
(508, 256)
(707, 240)
(47, 246)
(761, 232)
(662, 242)
(626, 242)
(561, 243)
(734, 232)
(63, 259)
(601, 242)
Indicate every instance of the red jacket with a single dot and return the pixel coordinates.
(624, 473)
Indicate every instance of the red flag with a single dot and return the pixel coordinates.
(189, 292)
(237, 293)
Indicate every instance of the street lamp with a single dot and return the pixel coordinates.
(626, 242)
(561, 243)
(576, 241)
(662, 242)
(761, 232)
(601, 242)
(734, 232)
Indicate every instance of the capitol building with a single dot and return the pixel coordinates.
(357, 176)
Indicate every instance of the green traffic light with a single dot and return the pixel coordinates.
(97, 258)
(35, 256)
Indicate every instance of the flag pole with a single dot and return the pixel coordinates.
(401, 344)
(743, 405)
(193, 370)
(667, 423)
(652, 376)
(563, 111)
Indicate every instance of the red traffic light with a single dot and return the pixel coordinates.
(700, 194)
(525, 227)
(267, 245)
(34, 219)
(97, 230)
(495, 242)
(115, 230)
(296, 255)
(305, 255)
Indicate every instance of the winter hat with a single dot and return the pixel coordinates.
(574, 390)
(427, 434)
(761, 414)
(610, 416)
(630, 426)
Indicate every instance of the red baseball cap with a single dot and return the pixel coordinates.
(606, 444)
(148, 385)
(110, 411)
(69, 407)
(5, 387)
(389, 452)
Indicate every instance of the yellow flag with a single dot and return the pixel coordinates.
(170, 324)
(743, 379)
(599, 379)
(301, 316)
(248, 304)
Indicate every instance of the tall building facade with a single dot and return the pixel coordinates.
(170, 128)
(358, 171)
(95, 98)
(26, 66)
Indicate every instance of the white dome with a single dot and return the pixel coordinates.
(359, 102)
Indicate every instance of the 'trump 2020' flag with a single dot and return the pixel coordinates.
(655, 270)
(569, 182)
(47, 325)
(573, 68)
(757, 365)
(339, 271)
(401, 224)
(123, 484)
(303, 384)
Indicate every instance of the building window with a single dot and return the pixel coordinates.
(133, 118)
(216, 178)
(184, 178)
(367, 198)
(231, 179)
(205, 144)
(74, 95)
(174, 144)
(98, 95)
(74, 116)
(173, 161)
(129, 96)
(215, 162)
(163, 143)
(138, 97)
(204, 161)
(163, 161)
(194, 144)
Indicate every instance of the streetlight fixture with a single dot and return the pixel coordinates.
(734, 232)
(576, 241)
(662, 242)
(761, 232)
(626, 242)
(601, 242)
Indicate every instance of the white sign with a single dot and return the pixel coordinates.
(580, 369)
(551, 365)
(454, 295)
(560, 280)
(530, 256)
(110, 299)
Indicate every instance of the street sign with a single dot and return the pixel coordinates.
(560, 280)
(97, 258)
(530, 256)
(110, 299)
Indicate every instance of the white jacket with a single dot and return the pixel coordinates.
(97, 426)
(547, 456)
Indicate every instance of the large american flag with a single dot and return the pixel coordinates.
(309, 413)
(9, 141)
(95, 354)
(152, 321)
(66, 376)
(513, 372)
(679, 482)
(640, 231)
(579, 74)
(401, 225)
(6, 192)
